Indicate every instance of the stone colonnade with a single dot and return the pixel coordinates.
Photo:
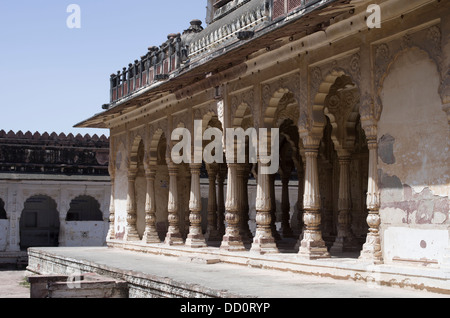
(228, 211)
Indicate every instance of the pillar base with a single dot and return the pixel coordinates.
(313, 248)
(232, 243)
(151, 237)
(111, 235)
(173, 239)
(264, 246)
(131, 235)
(195, 241)
(371, 251)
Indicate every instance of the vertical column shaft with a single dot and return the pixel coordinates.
(150, 234)
(285, 206)
(263, 242)
(195, 237)
(242, 192)
(220, 201)
(345, 239)
(173, 236)
(212, 233)
(131, 233)
(312, 245)
(112, 211)
(372, 248)
(232, 240)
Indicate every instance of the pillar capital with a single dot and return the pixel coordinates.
(150, 171)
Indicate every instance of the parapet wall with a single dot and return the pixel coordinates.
(53, 153)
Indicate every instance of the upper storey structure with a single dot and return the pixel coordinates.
(235, 29)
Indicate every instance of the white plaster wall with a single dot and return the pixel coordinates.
(415, 187)
(85, 233)
(120, 202)
(413, 115)
(62, 192)
(415, 244)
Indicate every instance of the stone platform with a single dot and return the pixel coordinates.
(159, 270)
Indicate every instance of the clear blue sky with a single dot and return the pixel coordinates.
(53, 77)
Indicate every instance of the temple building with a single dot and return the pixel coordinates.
(54, 191)
(359, 92)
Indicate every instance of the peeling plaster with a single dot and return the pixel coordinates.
(414, 207)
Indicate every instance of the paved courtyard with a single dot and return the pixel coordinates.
(13, 284)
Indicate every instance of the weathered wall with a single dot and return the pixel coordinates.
(85, 233)
(120, 193)
(80, 233)
(413, 161)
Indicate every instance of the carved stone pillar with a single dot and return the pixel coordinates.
(242, 199)
(372, 248)
(150, 235)
(195, 237)
(285, 206)
(263, 242)
(345, 239)
(112, 209)
(131, 233)
(220, 199)
(185, 220)
(173, 236)
(212, 233)
(232, 240)
(312, 245)
(273, 209)
(301, 190)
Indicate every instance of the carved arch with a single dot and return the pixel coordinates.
(281, 106)
(135, 155)
(155, 147)
(341, 107)
(428, 40)
(243, 117)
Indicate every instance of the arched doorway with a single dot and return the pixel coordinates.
(2, 210)
(84, 208)
(39, 223)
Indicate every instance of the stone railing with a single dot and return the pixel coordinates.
(154, 66)
(234, 20)
(281, 8)
(235, 17)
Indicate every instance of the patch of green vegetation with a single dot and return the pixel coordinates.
(24, 283)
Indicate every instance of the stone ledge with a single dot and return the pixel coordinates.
(88, 285)
(419, 278)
